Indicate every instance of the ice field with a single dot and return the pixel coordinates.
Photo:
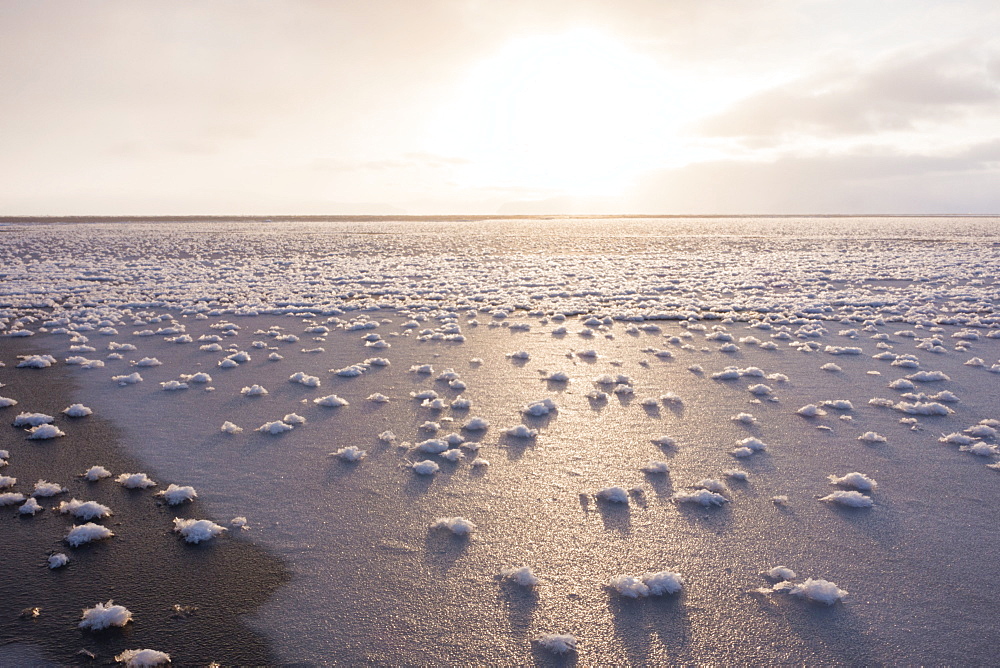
(504, 442)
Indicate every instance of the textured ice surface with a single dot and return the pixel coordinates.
(356, 538)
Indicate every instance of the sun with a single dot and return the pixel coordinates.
(577, 113)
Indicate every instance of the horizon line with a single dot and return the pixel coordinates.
(456, 216)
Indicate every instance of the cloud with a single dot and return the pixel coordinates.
(873, 180)
(898, 92)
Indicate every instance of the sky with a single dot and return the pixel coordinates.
(174, 107)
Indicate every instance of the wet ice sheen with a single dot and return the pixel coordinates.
(356, 528)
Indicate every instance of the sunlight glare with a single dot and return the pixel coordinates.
(577, 113)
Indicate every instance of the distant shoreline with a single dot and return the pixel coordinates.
(455, 217)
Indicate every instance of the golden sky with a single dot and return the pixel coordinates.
(445, 106)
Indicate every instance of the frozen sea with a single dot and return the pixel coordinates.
(740, 361)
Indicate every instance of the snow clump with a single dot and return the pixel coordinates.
(821, 591)
(856, 480)
(176, 494)
(44, 432)
(77, 410)
(700, 496)
(57, 560)
(852, 499)
(476, 424)
(656, 468)
(142, 658)
(30, 507)
(558, 644)
(351, 453)
(32, 419)
(95, 473)
(46, 488)
(135, 481)
(84, 510)
(195, 531)
(36, 362)
(130, 379)
(304, 379)
(457, 525)
(539, 408)
(648, 584)
(81, 534)
(230, 428)
(613, 495)
(425, 467)
(781, 573)
(981, 449)
(928, 376)
(103, 615)
(331, 401)
(274, 428)
(521, 431)
(10, 498)
(521, 576)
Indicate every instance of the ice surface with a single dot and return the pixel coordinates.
(355, 536)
